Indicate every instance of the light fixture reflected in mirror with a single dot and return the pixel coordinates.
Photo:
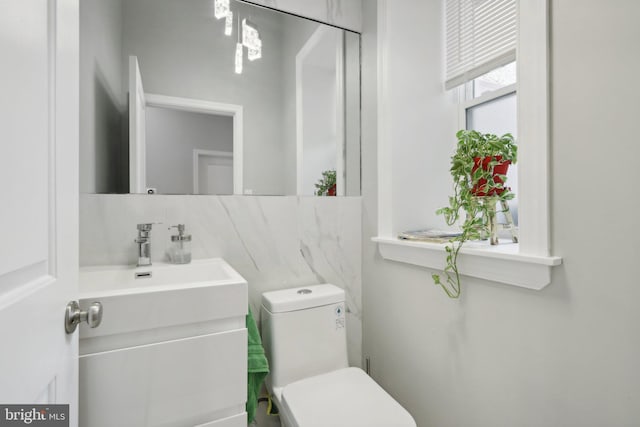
(239, 58)
(221, 9)
(239, 52)
(250, 34)
(254, 54)
(251, 39)
(228, 24)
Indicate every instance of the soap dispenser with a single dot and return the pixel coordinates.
(180, 249)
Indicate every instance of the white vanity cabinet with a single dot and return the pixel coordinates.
(165, 354)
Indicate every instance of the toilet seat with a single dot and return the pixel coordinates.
(346, 397)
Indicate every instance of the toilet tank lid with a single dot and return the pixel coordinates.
(300, 298)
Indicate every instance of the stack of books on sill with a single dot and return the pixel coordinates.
(431, 235)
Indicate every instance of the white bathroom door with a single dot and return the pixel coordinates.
(38, 201)
(137, 130)
(220, 178)
(213, 171)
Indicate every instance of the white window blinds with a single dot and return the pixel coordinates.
(481, 36)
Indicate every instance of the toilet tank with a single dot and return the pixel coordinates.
(304, 332)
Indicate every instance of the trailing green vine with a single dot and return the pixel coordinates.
(476, 191)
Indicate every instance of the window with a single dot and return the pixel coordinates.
(481, 40)
(481, 36)
(408, 134)
(489, 105)
(494, 80)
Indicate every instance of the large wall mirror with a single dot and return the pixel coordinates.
(216, 97)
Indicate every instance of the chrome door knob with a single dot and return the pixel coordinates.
(73, 316)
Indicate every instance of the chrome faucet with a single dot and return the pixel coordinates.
(144, 244)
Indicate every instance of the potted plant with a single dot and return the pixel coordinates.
(326, 186)
(479, 170)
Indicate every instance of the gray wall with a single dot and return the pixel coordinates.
(103, 156)
(183, 52)
(319, 98)
(172, 135)
(296, 35)
(505, 356)
(352, 115)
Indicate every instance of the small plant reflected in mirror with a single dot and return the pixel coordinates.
(326, 186)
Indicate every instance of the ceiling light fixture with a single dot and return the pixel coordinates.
(228, 24)
(239, 58)
(250, 35)
(221, 8)
(254, 54)
(238, 52)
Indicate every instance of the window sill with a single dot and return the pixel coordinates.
(501, 263)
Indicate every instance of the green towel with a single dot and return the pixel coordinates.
(257, 367)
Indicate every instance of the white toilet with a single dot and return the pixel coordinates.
(304, 335)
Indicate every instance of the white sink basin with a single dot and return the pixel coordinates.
(111, 280)
(162, 297)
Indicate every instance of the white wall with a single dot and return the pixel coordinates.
(420, 118)
(103, 156)
(172, 135)
(505, 356)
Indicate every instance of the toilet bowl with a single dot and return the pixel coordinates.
(304, 335)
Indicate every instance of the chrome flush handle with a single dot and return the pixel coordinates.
(73, 316)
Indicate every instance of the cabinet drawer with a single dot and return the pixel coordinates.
(175, 383)
(239, 420)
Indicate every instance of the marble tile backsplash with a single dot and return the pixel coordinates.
(274, 242)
